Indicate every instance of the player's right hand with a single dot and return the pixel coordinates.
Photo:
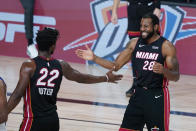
(112, 77)
(114, 18)
(85, 54)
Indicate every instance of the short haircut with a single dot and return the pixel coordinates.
(155, 19)
(46, 38)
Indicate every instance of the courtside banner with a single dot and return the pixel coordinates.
(88, 22)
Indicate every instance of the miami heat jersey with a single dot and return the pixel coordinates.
(40, 97)
(143, 59)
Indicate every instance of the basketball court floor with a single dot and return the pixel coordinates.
(100, 107)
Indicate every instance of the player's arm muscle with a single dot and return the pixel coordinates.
(26, 71)
(172, 70)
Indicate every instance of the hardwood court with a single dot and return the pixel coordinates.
(100, 107)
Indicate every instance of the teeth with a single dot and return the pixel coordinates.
(144, 33)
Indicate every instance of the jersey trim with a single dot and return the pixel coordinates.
(166, 102)
(134, 33)
(28, 114)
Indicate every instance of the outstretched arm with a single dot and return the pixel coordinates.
(123, 58)
(172, 70)
(26, 72)
(3, 102)
(89, 55)
(114, 18)
(74, 75)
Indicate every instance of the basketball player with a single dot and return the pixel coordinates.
(3, 105)
(39, 83)
(154, 61)
(135, 10)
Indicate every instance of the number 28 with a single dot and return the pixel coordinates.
(148, 65)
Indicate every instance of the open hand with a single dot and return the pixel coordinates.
(114, 18)
(85, 54)
(112, 77)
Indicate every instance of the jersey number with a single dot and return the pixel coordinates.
(44, 73)
(148, 65)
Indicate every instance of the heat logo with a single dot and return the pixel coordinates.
(108, 40)
(11, 23)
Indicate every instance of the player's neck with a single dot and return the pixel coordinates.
(153, 39)
(44, 54)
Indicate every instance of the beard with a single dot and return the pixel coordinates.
(148, 35)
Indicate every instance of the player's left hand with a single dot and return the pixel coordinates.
(157, 12)
(158, 68)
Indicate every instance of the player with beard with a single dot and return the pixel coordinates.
(154, 61)
(135, 10)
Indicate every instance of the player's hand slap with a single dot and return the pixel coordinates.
(113, 77)
(85, 54)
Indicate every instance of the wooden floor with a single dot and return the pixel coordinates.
(100, 107)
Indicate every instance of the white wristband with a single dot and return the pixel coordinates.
(107, 77)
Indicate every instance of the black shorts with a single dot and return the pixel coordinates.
(48, 123)
(147, 106)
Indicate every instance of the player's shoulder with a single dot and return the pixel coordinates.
(168, 48)
(167, 45)
(63, 63)
(28, 64)
(134, 40)
(132, 43)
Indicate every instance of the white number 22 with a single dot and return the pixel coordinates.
(44, 73)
